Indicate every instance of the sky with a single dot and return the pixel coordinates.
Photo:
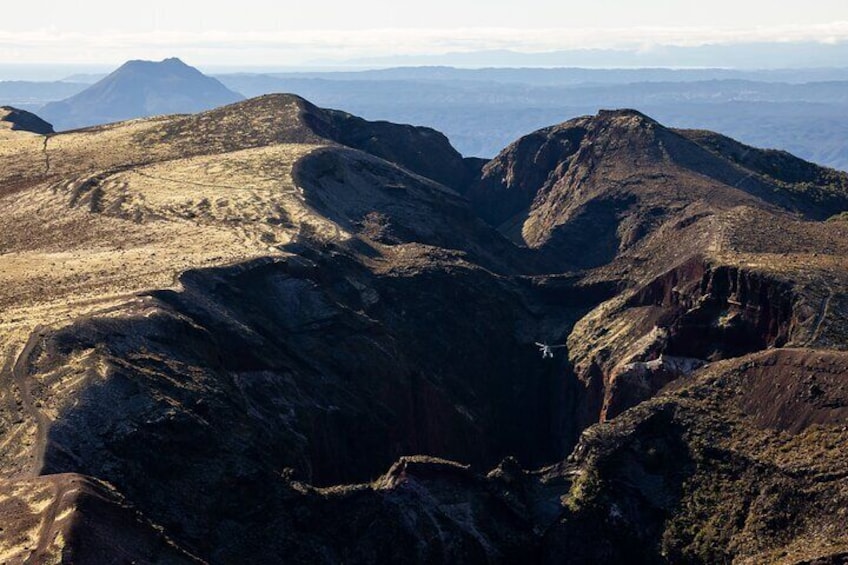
(283, 33)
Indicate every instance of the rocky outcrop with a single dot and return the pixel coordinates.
(687, 477)
(725, 312)
(633, 382)
(694, 314)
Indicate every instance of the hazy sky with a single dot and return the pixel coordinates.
(267, 32)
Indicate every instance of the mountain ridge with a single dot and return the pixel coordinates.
(268, 329)
(560, 165)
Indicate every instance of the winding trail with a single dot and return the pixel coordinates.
(46, 155)
(49, 530)
(20, 375)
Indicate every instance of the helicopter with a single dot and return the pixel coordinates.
(547, 350)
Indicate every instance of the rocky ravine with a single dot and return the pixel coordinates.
(280, 333)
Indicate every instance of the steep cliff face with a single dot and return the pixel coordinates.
(705, 473)
(725, 312)
(690, 316)
(700, 314)
(758, 286)
(509, 184)
(318, 368)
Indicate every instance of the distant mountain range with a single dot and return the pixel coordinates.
(549, 76)
(32, 95)
(139, 89)
(750, 55)
(804, 111)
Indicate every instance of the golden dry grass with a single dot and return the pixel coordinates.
(69, 247)
(91, 220)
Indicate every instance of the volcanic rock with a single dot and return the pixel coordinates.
(271, 331)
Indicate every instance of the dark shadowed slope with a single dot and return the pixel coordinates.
(21, 120)
(138, 89)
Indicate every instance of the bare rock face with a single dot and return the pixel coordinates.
(271, 331)
(708, 472)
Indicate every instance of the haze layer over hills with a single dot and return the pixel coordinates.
(804, 111)
(482, 110)
(278, 331)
